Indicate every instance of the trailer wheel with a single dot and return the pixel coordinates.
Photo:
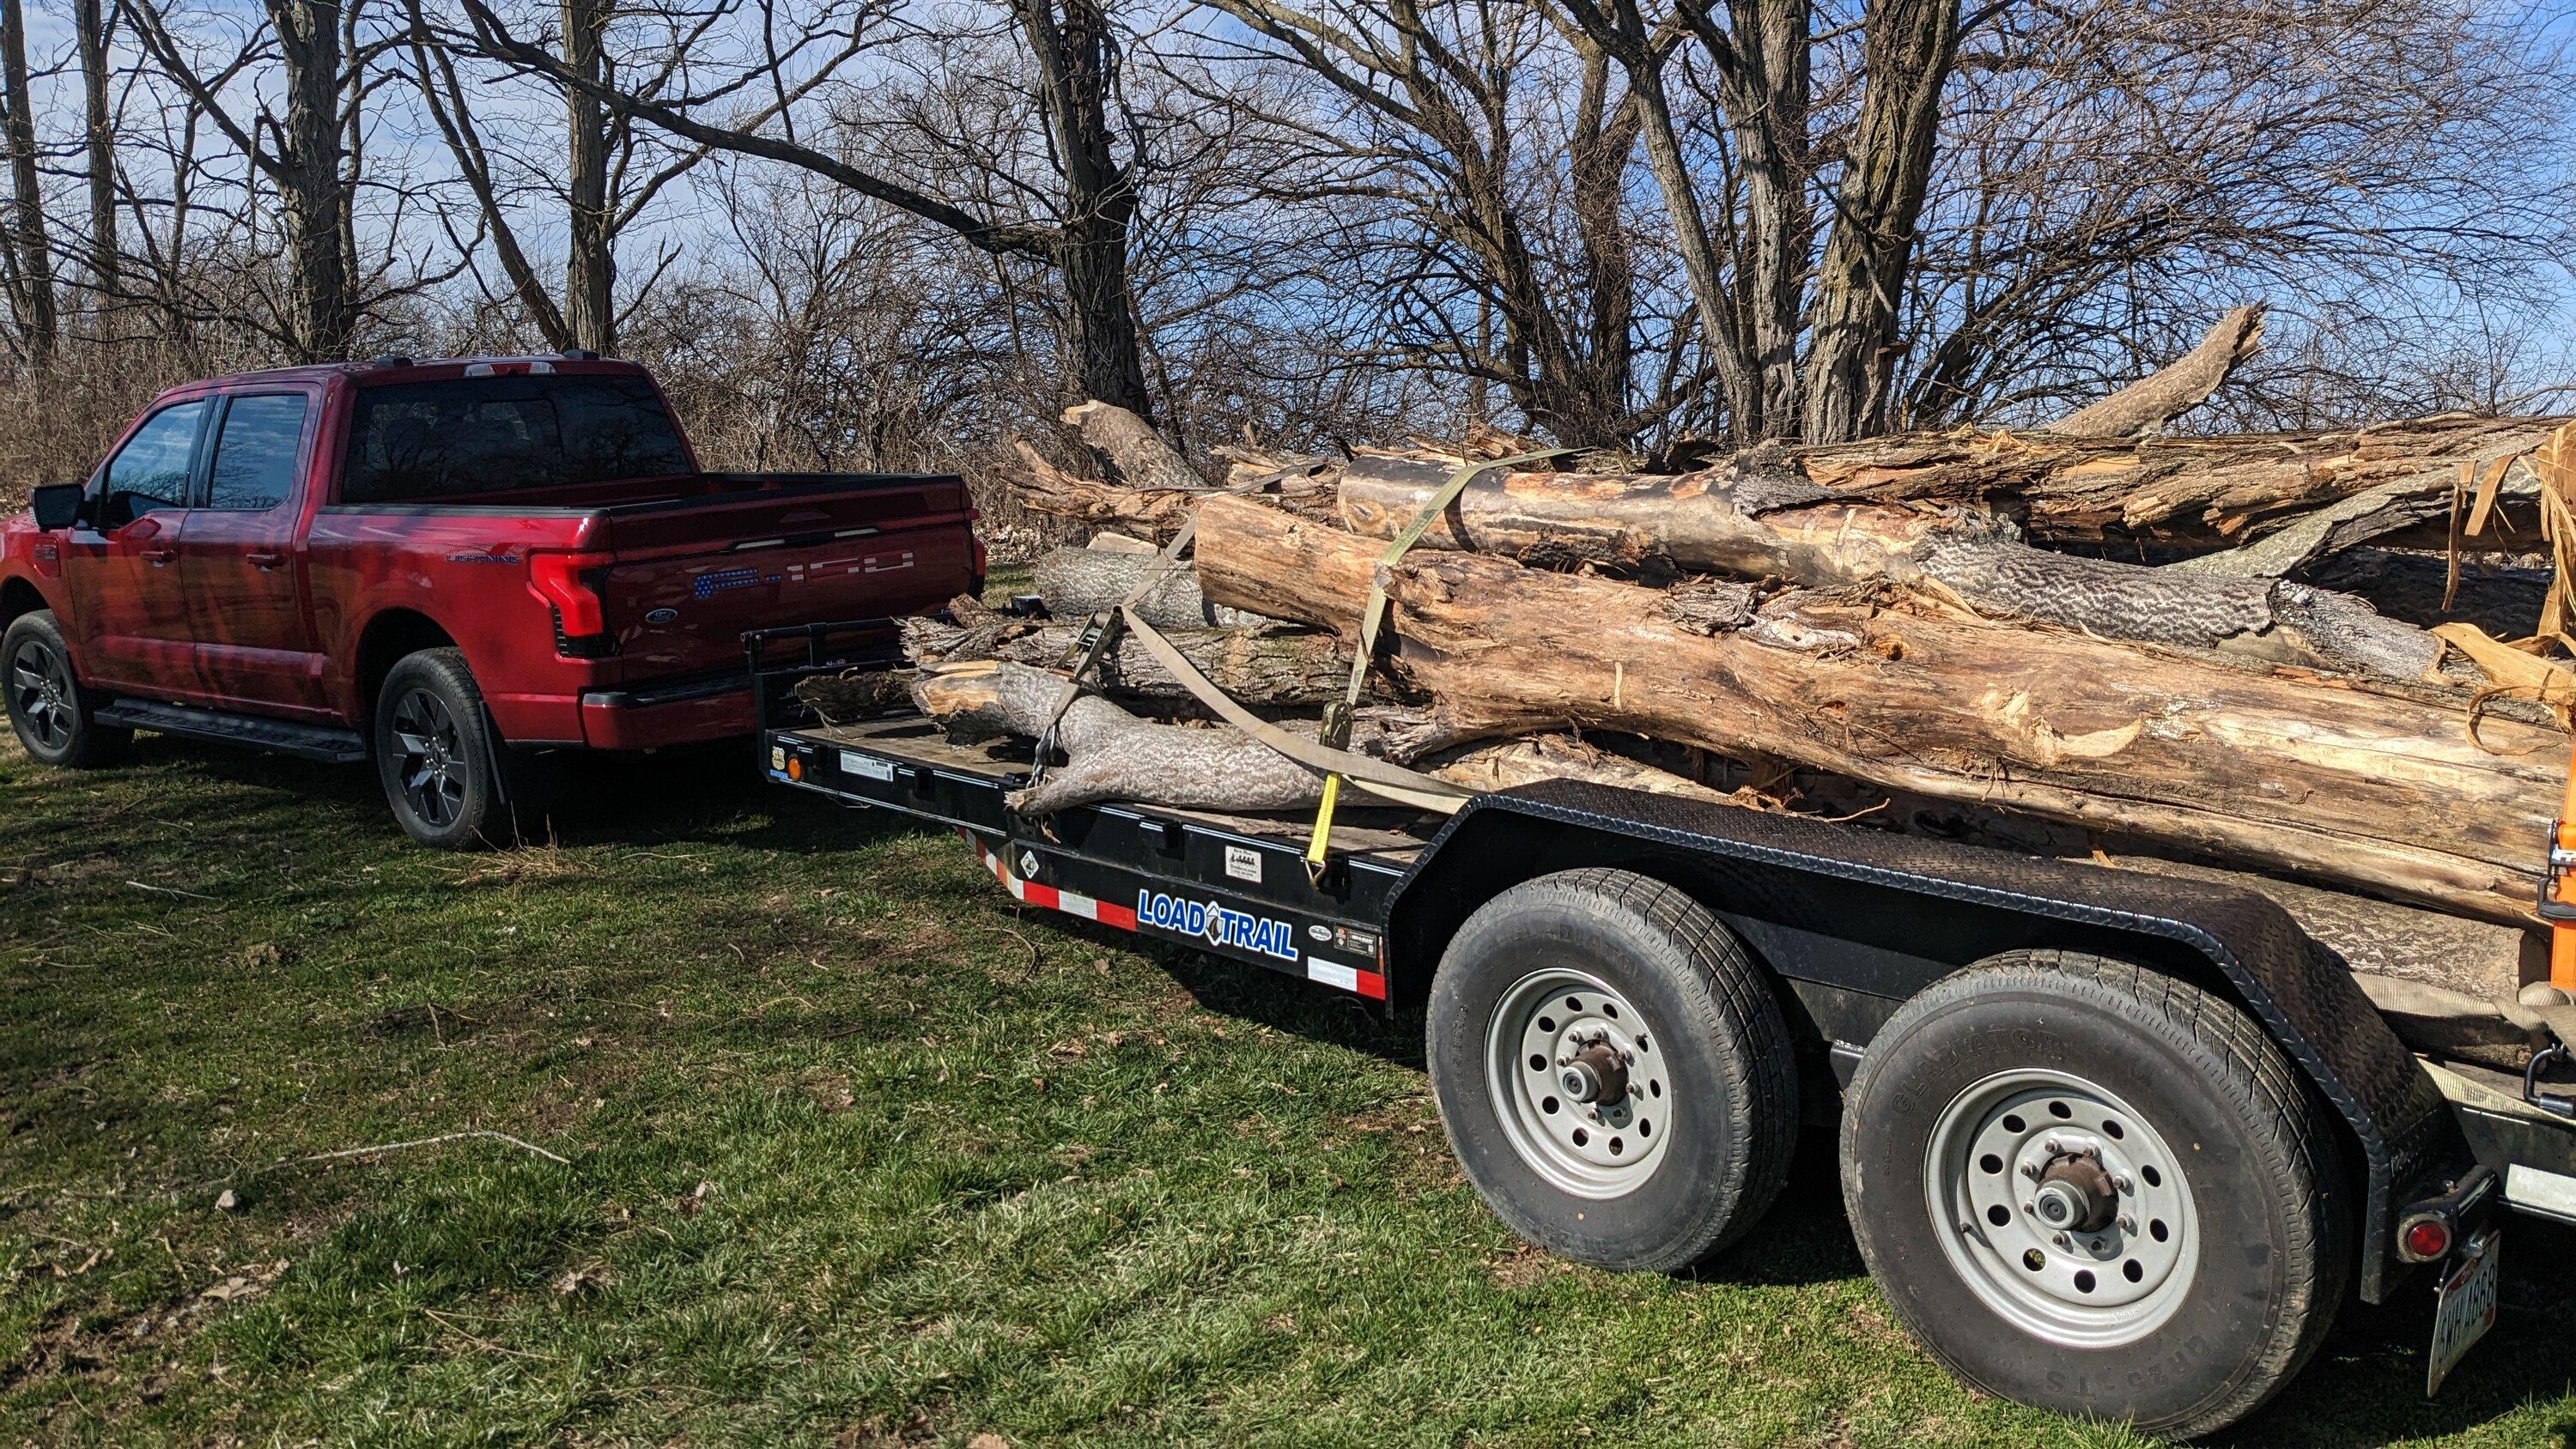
(1612, 1070)
(2095, 1188)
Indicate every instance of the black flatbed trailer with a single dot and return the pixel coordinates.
(1847, 969)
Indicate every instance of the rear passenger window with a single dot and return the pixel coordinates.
(256, 452)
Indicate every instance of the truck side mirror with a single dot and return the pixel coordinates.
(57, 505)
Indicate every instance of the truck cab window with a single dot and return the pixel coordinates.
(256, 450)
(150, 473)
(431, 441)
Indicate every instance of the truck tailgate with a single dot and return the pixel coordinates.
(686, 577)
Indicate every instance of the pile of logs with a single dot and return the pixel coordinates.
(2113, 636)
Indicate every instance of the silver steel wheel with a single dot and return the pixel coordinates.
(40, 686)
(1577, 1078)
(2062, 1208)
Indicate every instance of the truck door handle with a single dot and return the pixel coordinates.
(159, 556)
(265, 560)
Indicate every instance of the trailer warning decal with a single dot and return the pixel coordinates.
(1069, 902)
(1212, 922)
(1218, 924)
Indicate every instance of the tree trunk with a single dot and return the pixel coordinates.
(590, 262)
(2344, 786)
(34, 301)
(1907, 47)
(1090, 249)
(1765, 91)
(99, 140)
(1764, 524)
(323, 319)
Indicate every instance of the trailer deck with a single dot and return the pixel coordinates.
(1121, 865)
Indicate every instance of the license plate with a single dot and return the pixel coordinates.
(2464, 1306)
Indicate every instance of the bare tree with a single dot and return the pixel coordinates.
(32, 273)
(98, 139)
(1080, 235)
(302, 150)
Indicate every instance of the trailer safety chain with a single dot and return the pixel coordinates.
(1336, 731)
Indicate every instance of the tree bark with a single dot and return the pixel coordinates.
(323, 317)
(1137, 454)
(2343, 786)
(1907, 48)
(590, 260)
(2151, 402)
(2191, 495)
(1090, 245)
(106, 262)
(1266, 667)
(1767, 524)
(34, 301)
(1078, 582)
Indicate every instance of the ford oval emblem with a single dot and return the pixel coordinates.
(662, 616)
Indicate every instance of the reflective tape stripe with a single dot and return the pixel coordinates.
(1072, 903)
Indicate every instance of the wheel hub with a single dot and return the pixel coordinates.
(1578, 1083)
(1595, 1074)
(2062, 1208)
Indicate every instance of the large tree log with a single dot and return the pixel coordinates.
(1113, 755)
(1271, 666)
(2193, 494)
(2343, 786)
(1763, 523)
(1078, 582)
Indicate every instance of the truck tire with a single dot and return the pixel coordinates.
(435, 752)
(54, 715)
(2098, 1189)
(1612, 1070)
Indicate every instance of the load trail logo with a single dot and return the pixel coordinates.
(1218, 924)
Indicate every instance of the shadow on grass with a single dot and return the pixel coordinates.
(2357, 1391)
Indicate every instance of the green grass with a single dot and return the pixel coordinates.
(855, 1148)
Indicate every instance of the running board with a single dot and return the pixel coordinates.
(307, 742)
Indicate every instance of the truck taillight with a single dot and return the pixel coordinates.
(580, 615)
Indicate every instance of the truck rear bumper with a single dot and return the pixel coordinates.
(663, 716)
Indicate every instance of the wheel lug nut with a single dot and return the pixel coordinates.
(2128, 1224)
(2061, 1240)
(2030, 1170)
(2121, 1183)
(2050, 1147)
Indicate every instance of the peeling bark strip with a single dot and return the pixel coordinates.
(2337, 784)
(1766, 524)
(2191, 493)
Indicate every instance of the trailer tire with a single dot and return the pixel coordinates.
(436, 754)
(53, 713)
(2096, 1188)
(1570, 973)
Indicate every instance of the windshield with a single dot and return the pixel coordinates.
(422, 441)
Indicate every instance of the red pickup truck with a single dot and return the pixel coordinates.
(441, 567)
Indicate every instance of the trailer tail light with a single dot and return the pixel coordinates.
(568, 584)
(2425, 1239)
